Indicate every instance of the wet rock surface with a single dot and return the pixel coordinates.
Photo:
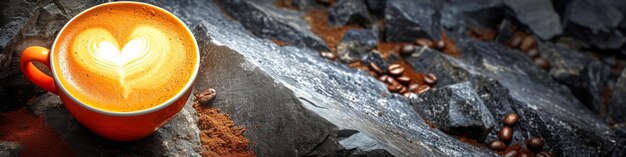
(293, 102)
(456, 109)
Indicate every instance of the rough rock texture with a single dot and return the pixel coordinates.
(377, 59)
(617, 104)
(585, 76)
(595, 22)
(263, 19)
(179, 137)
(462, 13)
(538, 15)
(355, 44)
(456, 109)
(346, 12)
(9, 149)
(406, 21)
(508, 81)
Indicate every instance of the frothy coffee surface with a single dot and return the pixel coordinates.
(125, 57)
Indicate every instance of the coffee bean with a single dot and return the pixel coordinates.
(403, 89)
(532, 53)
(516, 41)
(413, 86)
(505, 134)
(395, 88)
(372, 66)
(526, 154)
(534, 143)
(206, 96)
(383, 78)
(544, 154)
(510, 119)
(543, 63)
(328, 55)
(396, 70)
(497, 145)
(440, 45)
(407, 94)
(404, 80)
(512, 153)
(422, 89)
(527, 43)
(391, 80)
(424, 42)
(430, 78)
(407, 49)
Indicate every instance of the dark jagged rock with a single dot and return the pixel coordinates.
(347, 12)
(264, 20)
(179, 137)
(505, 32)
(583, 75)
(377, 59)
(355, 44)
(376, 6)
(406, 21)
(14, 15)
(508, 81)
(456, 109)
(538, 15)
(476, 13)
(9, 149)
(617, 104)
(595, 22)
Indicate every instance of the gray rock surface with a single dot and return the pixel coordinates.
(346, 12)
(179, 137)
(538, 15)
(617, 103)
(355, 44)
(263, 19)
(9, 149)
(456, 109)
(595, 22)
(406, 21)
(508, 81)
(585, 76)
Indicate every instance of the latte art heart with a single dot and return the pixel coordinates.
(100, 53)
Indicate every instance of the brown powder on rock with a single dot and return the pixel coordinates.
(219, 135)
(30, 131)
(317, 19)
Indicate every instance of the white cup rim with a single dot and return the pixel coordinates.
(132, 113)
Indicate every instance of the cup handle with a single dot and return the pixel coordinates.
(42, 55)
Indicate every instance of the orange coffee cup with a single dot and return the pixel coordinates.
(120, 126)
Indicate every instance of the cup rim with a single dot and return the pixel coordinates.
(160, 106)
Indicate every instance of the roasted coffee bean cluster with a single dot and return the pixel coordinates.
(528, 45)
(398, 82)
(505, 135)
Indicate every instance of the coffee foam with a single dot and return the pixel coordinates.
(125, 57)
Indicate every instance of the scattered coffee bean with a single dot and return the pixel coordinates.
(405, 80)
(497, 145)
(512, 153)
(403, 89)
(544, 154)
(390, 80)
(372, 66)
(423, 42)
(527, 43)
(543, 63)
(396, 70)
(395, 88)
(510, 119)
(328, 55)
(525, 154)
(422, 89)
(430, 78)
(532, 53)
(206, 96)
(516, 41)
(407, 94)
(534, 143)
(505, 134)
(413, 86)
(383, 78)
(407, 49)
(440, 45)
